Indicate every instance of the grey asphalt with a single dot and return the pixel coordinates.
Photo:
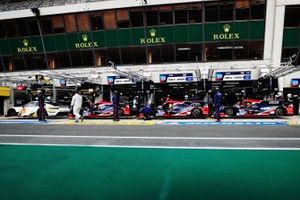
(183, 136)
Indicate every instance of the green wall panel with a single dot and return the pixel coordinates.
(195, 33)
(181, 33)
(49, 42)
(111, 38)
(124, 36)
(37, 42)
(155, 36)
(85, 41)
(137, 35)
(26, 45)
(257, 30)
(291, 37)
(167, 33)
(14, 44)
(5, 47)
(61, 42)
(98, 36)
(72, 38)
(215, 32)
(210, 30)
(242, 29)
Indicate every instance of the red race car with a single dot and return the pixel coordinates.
(105, 109)
(256, 108)
(183, 109)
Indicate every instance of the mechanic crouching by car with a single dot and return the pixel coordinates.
(217, 104)
(42, 113)
(148, 111)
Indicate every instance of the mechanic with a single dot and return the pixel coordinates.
(76, 104)
(146, 111)
(135, 105)
(116, 104)
(217, 103)
(41, 102)
(186, 97)
(296, 104)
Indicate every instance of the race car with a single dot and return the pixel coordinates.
(256, 108)
(30, 109)
(183, 109)
(104, 109)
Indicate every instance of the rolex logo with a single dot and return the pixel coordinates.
(26, 48)
(226, 35)
(152, 32)
(86, 43)
(25, 42)
(85, 37)
(153, 39)
(226, 28)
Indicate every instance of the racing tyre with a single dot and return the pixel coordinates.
(279, 112)
(230, 112)
(11, 113)
(121, 112)
(196, 113)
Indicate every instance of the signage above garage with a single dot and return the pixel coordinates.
(295, 82)
(118, 80)
(176, 78)
(233, 76)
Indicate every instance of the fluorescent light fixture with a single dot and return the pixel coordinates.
(184, 49)
(231, 83)
(230, 47)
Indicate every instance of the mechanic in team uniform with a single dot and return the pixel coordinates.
(41, 102)
(217, 104)
(116, 104)
(76, 104)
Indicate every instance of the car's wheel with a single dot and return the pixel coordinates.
(230, 112)
(11, 113)
(121, 112)
(196, 113)
(279, 112)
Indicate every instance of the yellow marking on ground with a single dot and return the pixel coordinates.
(111, 123)
(293, 123)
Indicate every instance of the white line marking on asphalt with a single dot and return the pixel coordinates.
(156, 147)
(148, 137)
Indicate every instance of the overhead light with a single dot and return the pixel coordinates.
(232, 83)
(184, 49)
(230, 47)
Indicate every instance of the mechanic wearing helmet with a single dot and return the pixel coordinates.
(278, 96)
(186, 97)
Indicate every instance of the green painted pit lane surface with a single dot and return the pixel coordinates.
(83, 173)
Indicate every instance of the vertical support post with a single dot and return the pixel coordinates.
(54, 95)
(37, 14)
